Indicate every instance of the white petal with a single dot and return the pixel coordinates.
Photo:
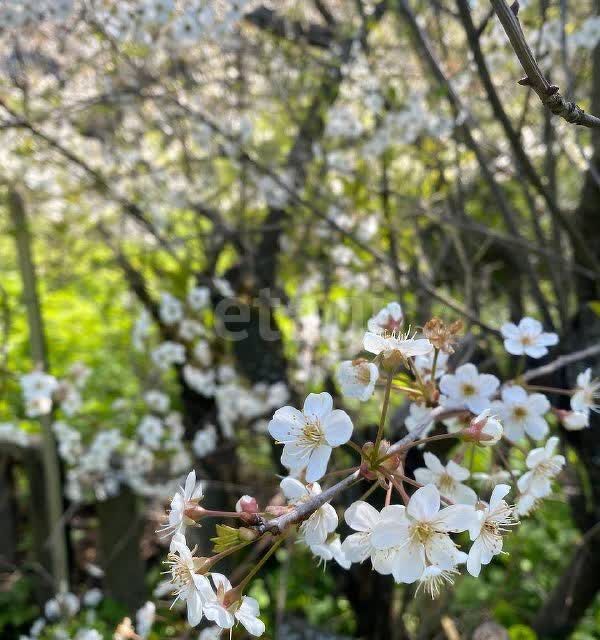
(374, 343)
(410, 563)
(424, 504)
(388, 534)
(337, 427)
(433, 462)
(247, 614)
(293, 489)
(317, 465)
(441, 550)
(456, 518)
(361, 516)
(357, 547)
(318, 405)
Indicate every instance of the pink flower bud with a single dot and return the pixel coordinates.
(247, 504)
(484, 429)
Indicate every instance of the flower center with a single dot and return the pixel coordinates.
(421, 532)
(446, 483)
(527, 340)
(519, 412)
(312, 434)
(468, 389)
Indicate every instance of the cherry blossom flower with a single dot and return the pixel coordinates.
(419, 416)
(587, 393)
(528, 338)
(448, 479)
(188, 495)
(331, 549)
(486, 532)
(319, 524)
(168, 353)
(388, 345)
(387, 320)
(309, 435)
(466, 387)
(225, 615)
(424, 365)
(205, 441)
(198, 298)
(370, 541)
(188, 585)
(423, 529)
(357, 378)
(543, 466)
(170, 310)
(521, 413)
(157, 401)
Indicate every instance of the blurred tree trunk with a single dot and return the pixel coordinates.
(53, 499)
(120, 527)
(578, 586)
(8, 514)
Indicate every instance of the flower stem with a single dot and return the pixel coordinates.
(434, 365)
(244, 583)
(384, 409)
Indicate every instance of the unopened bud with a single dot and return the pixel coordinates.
(194, 512)
(247, 504)
(484, 429)
(247, 534)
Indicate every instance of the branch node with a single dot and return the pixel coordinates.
(514, 7)
(524, 82)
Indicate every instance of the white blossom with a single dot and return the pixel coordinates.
(309, 435)
(419, 417)
(448, 479)
(391, 344)
(198, 298)
(543, 466)
(170, 310)
(521, 413)
(387, 320)
(357, 378)
(321, 522)
(188, 585)
(167, 354)
(205, 441)
(188, 495)
(422, 533)
(144, 619)
(486, 531)
(157, 400)
(466, 387)
(587, 393)
(528, 338)
(245, 611)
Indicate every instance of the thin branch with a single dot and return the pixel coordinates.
(560, 362)
(548, 93)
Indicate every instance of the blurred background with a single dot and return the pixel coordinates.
(201, 204)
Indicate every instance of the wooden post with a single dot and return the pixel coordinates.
(53, 492)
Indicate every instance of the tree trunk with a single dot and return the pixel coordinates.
(120, 528)
(53, 499)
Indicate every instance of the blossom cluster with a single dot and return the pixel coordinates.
(419, 537)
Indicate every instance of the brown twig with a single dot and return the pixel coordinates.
(548, 93)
